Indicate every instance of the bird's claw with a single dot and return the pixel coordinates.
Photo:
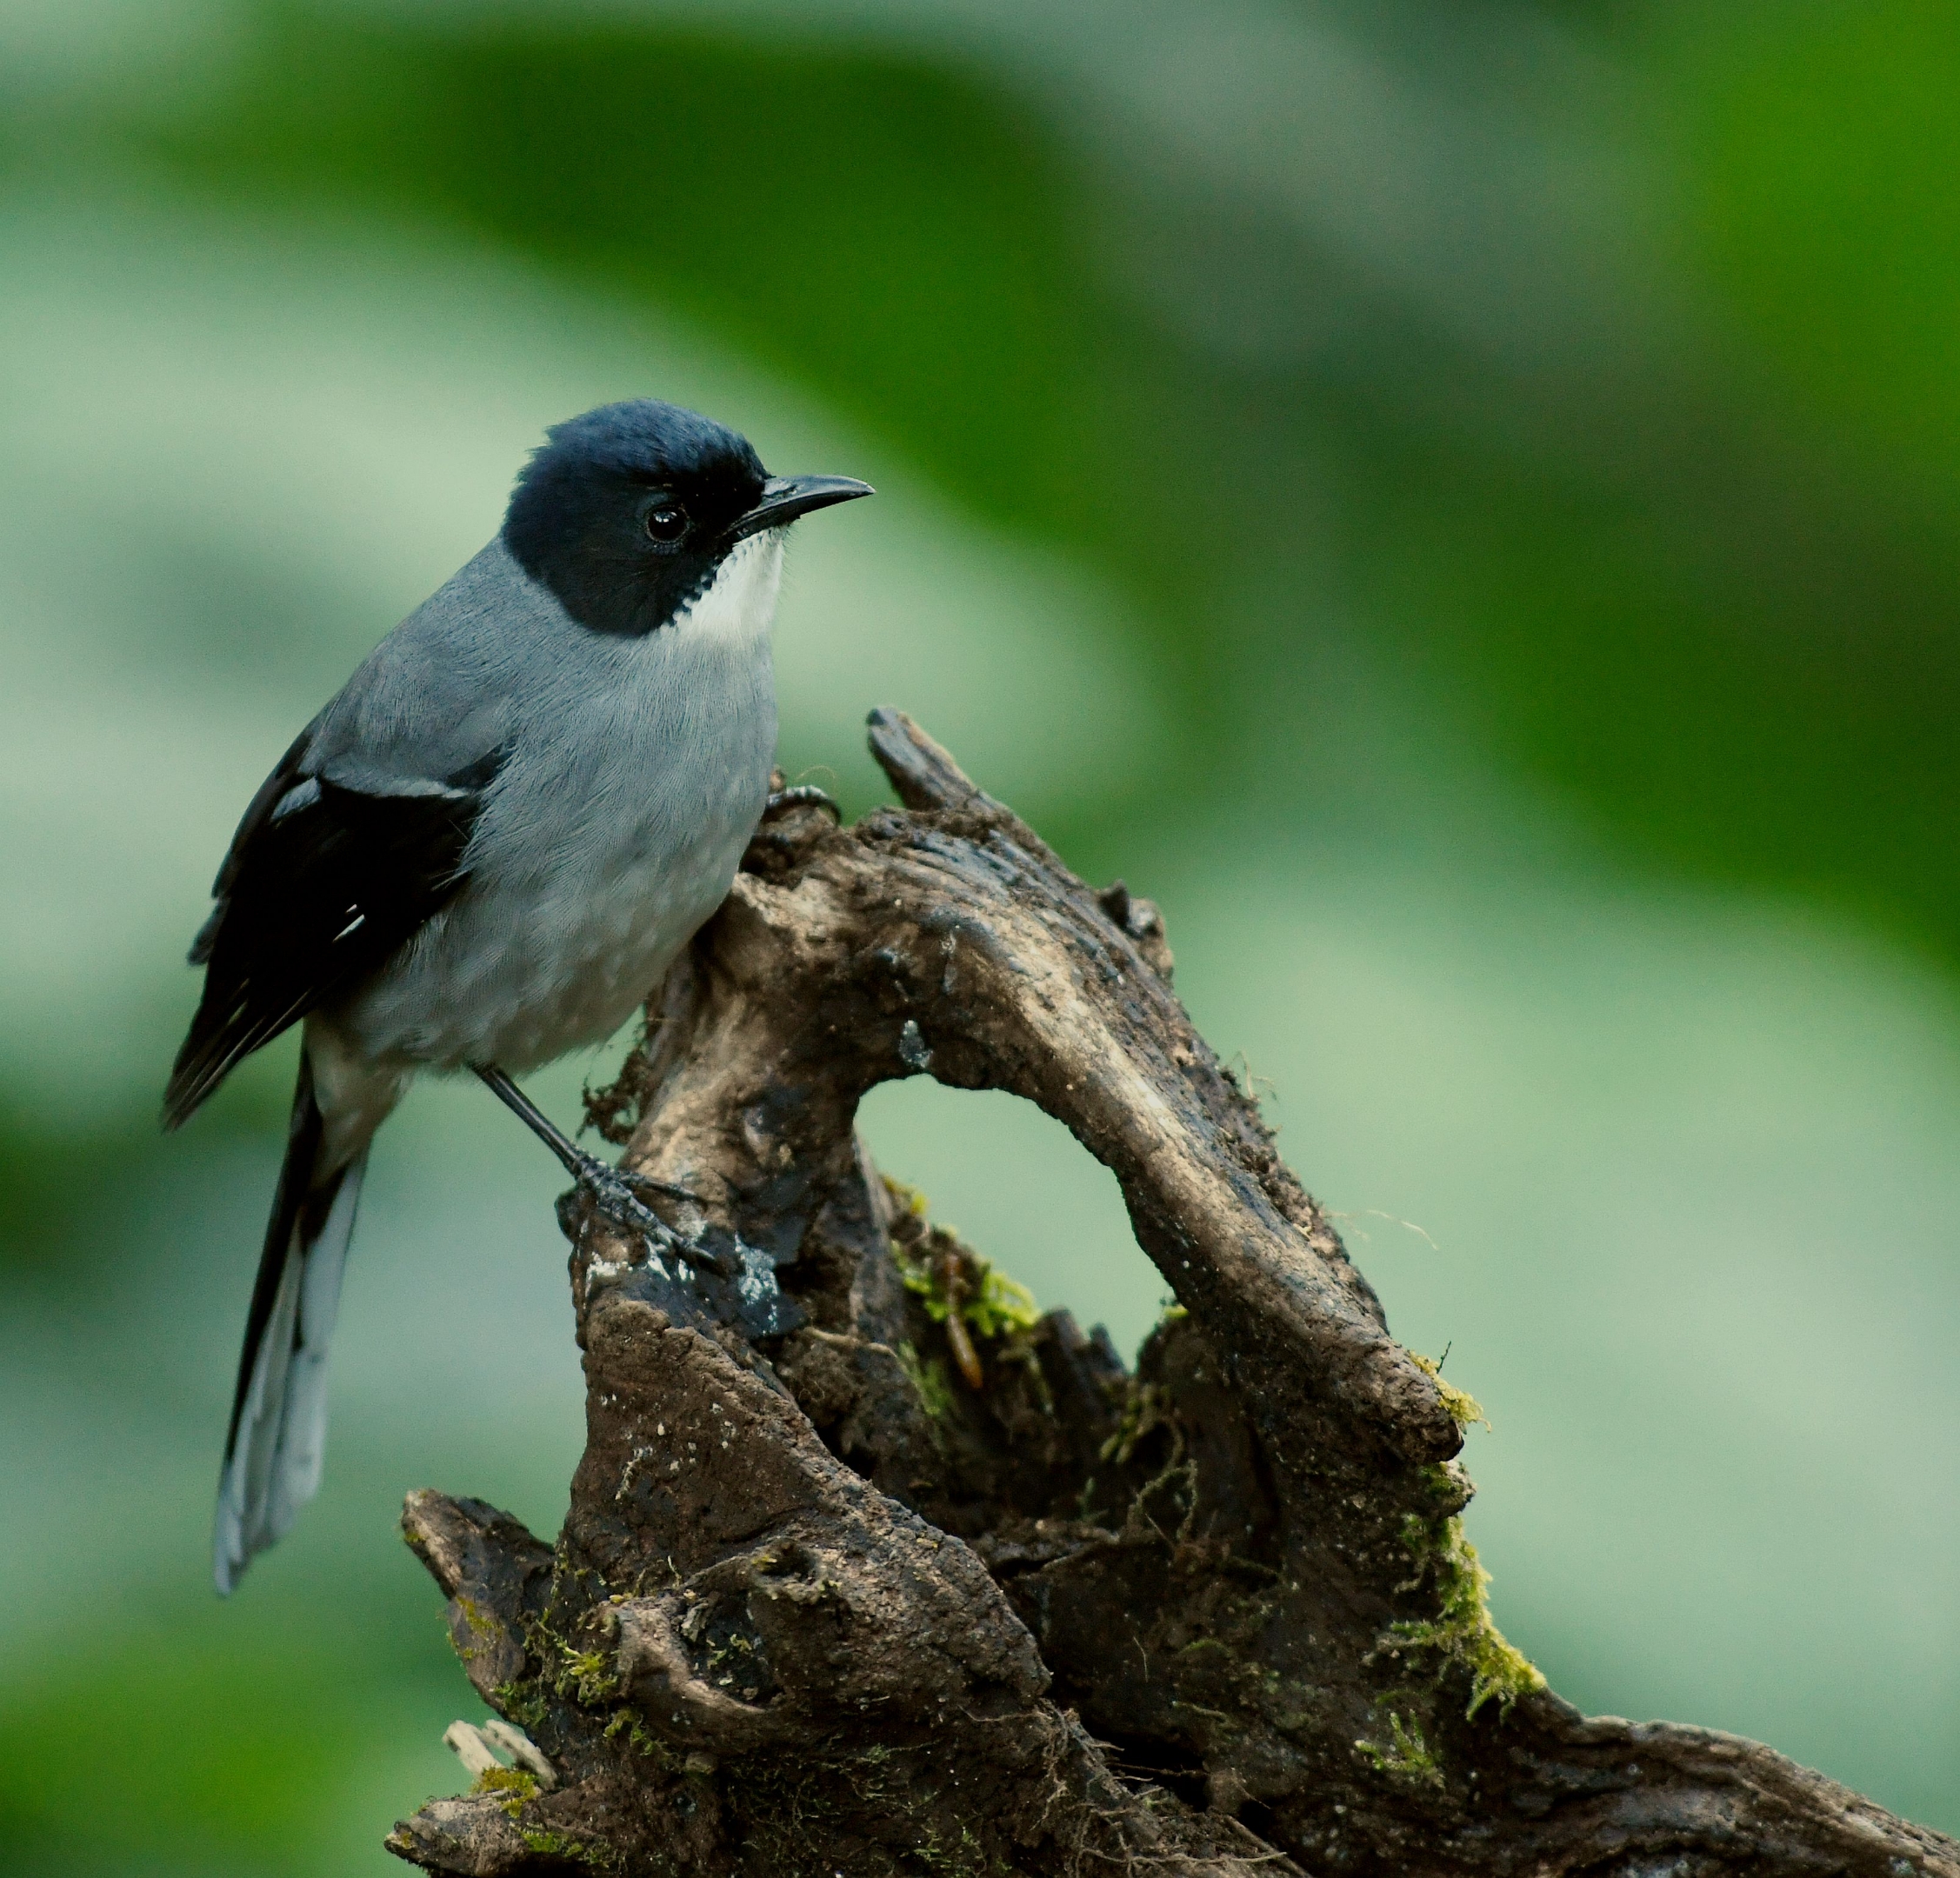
(611, 1190)
(802, 795)
(646, 1183)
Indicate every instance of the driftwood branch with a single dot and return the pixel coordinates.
(867, 1569)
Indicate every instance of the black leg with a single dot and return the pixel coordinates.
(611, 1189)
(533, 1117)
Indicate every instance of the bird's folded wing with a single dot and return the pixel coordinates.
(327, 876)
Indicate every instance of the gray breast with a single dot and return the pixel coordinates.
(637, 771)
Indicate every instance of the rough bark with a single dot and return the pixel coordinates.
(869, 1570)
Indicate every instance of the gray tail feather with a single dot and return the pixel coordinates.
(277, 1440)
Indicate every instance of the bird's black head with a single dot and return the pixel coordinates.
(627, 512)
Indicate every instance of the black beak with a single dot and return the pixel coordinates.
(785, 499)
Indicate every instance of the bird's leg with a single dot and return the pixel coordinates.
(611, 1189)
(582, 1166)
(799, 796)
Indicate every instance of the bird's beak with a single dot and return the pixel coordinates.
(785, 499)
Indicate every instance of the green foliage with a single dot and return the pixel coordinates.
(1818, 207)
(256, 1727)
(919, 205)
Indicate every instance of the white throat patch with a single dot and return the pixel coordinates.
(740, 601)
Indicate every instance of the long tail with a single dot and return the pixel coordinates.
(276, 1442)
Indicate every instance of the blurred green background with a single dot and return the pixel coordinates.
(1461, 502)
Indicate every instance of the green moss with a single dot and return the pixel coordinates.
(1461, 1630)
(480, 1626)
(1461, 1406)
(1001, 1304)
(1146, 1407)
(909, 1200)
(625, 1722)
(554, 1845)
(587, 1677)
(992, 1304)
(929, 1377)
(514, 1784)
(521, 1702)
(1407, 1759)
(584, 1675)
(966, 1859)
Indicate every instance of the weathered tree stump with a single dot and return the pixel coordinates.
(870, 1570)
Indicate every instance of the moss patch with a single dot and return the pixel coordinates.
(938, 1267)
(587, 1676)
(521, 1702)
(928, 1375)
(1461, 1630)
(1146, 1408)
(554, 1845)
(514, 1785)
(1462, 1407)
(1406, 1758)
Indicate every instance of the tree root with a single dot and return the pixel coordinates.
(869, 1570)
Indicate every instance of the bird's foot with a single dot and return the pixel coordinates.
(614, 1198)
(801, 795)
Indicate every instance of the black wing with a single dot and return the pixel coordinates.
(323, 885)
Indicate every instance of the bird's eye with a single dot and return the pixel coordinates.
(666, 522)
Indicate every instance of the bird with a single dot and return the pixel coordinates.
(485, 852)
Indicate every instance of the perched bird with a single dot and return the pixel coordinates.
(485, 852)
